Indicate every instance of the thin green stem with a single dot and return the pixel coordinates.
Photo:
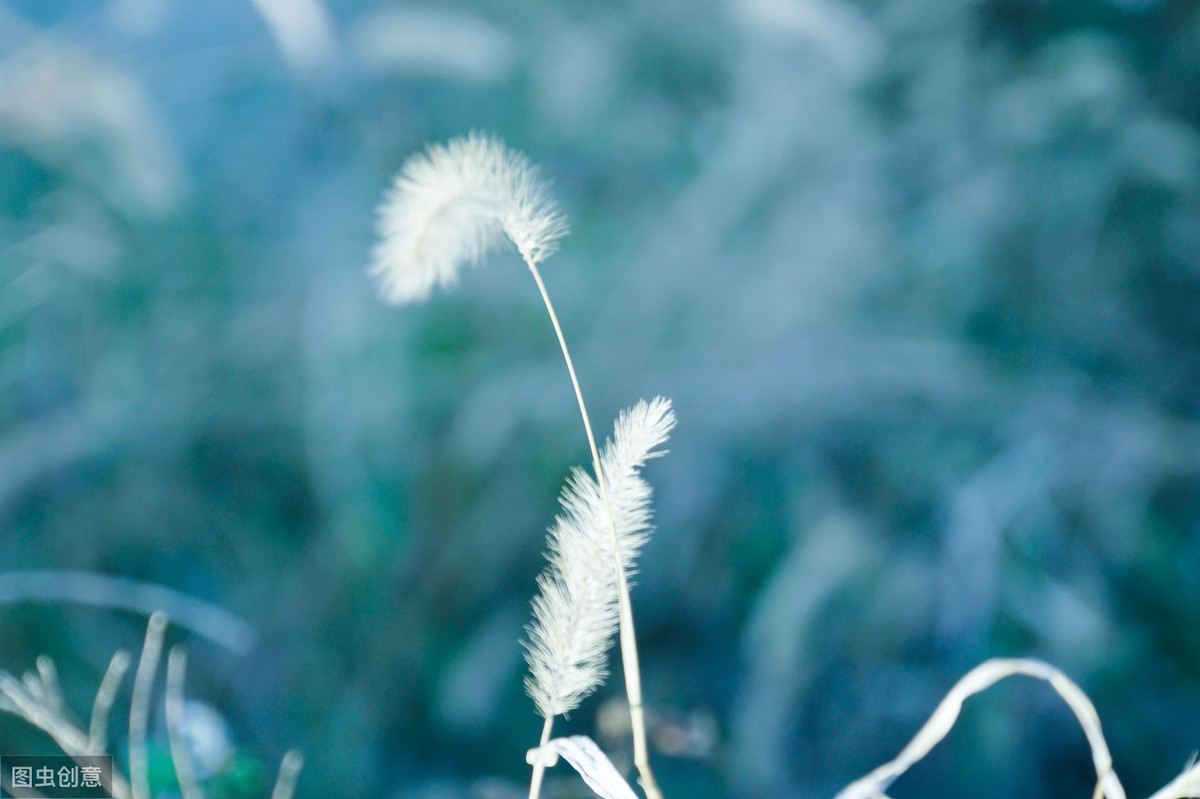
(628, 638)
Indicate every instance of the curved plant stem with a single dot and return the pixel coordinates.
(629, 654)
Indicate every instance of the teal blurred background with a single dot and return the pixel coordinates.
(922, 278)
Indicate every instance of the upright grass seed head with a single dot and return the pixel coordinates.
(575, 612)
(453, 204)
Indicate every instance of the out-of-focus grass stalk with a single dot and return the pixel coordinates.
(105, 590)
(106, 694)
(289, 772)
(173, 708)
(139, 706)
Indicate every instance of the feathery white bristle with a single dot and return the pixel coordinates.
(575, 613)
(452, 205)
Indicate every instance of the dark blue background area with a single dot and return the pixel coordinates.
(922, 279)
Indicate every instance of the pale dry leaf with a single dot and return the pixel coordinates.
(979, 679)
(589, 760)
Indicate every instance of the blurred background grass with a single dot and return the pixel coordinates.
(922, 278)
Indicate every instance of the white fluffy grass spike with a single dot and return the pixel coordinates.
(575, 613)
(452, 205)
(979, 679)
(1186, 784)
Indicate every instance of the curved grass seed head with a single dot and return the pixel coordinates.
(453, 204)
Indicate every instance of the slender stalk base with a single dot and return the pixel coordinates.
(539, 771)
(628, 638)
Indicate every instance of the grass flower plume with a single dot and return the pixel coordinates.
(575, 613)
(453, 204)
